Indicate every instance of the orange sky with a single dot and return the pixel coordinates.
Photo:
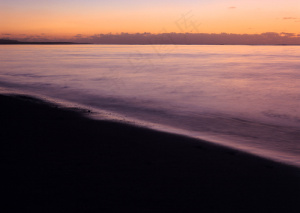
(68, 18)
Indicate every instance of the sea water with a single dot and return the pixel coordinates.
(245, 97)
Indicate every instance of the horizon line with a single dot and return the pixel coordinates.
(267, 38)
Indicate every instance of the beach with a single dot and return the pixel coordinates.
(58, 160)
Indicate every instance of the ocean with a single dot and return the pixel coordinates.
(244, 97)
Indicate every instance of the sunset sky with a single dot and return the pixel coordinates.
(67, 18)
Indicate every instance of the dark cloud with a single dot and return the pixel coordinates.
(78, 36)
(270, 34)
(175, 38)
(288, 34)
(289, 18)
(192, 38)
(6, 34)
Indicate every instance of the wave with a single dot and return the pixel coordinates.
(272, 141)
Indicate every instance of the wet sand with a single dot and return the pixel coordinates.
(57, 160)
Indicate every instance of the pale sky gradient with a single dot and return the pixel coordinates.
(66, 18)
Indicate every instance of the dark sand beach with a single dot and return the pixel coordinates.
(57, 160)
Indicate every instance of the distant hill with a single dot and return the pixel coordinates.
(8, 41)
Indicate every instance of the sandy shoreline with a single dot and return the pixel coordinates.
(57, 160)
